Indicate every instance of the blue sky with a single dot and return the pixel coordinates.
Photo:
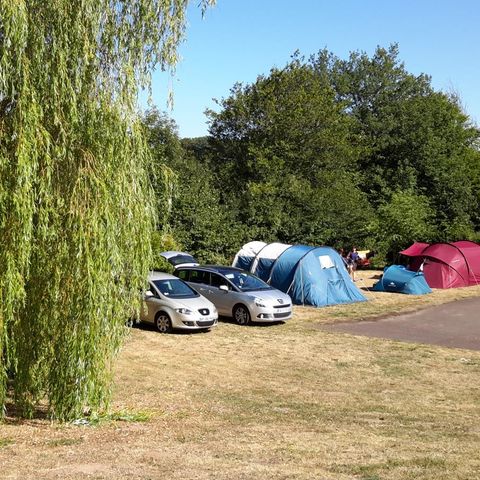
(241, 39)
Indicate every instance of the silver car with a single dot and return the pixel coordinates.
(171, 304)
(238, 294)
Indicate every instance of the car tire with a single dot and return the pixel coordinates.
(241, 315)
(163, 323)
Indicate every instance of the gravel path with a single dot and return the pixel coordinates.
(455, 324)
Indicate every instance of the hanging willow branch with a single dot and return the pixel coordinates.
(76, 209)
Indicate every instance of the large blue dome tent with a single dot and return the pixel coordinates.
(310, 275)
(397, 278)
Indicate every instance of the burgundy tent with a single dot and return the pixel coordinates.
(415, 253)
(446, 265)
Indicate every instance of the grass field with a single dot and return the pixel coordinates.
(272, 402)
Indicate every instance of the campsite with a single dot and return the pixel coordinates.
(281, 401)
(239, 240)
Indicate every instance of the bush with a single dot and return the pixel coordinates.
(162, 242)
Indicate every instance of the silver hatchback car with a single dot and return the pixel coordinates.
(238, 294)
(169, 303)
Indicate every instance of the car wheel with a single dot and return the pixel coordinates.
(163, 322)
(241, 315)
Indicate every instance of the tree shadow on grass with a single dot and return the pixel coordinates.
(251, 324)
(15, 415)
(367, 289)
(148, 327)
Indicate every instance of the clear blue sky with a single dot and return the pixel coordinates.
(241, 39)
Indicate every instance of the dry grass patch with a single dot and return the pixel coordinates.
(276, 402)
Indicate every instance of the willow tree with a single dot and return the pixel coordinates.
(76, 213)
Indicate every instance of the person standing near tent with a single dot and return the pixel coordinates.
(352, 260)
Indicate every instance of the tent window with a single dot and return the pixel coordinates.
(325, 261)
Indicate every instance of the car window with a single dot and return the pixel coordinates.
(179, 259)
(245, 281)
(183, 274)
(149, 288)
(175, 288)
(199, 276)
(217, 280)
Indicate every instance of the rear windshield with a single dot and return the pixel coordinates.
(179, 259)
(245, 281)
(175, 288)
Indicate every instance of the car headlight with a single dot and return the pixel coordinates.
(260, 302)
(183, 311)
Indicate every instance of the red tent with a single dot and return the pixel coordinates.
(447, 265)
(415, 253)
(415, 250)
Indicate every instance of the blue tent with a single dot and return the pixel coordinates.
(397, 278)
(310, 275)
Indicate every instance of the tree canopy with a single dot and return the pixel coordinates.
(326, 151)
(286, 161)
(320, 150)
(196, 217)
(412, 136)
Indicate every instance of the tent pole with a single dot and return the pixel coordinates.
(368, 289)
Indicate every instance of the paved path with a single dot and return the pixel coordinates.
(455, 324)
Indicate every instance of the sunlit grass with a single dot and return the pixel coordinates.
(285, 401)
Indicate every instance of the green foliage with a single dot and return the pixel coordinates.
(76, 205)
(407, 217)
(162, 242)
(411, 137)
(5, 442)
(197, 220)
(96, 419)
(285, 160)
(343, 152)
(165, 146)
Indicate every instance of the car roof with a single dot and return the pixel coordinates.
(172, 253)
(161, 276)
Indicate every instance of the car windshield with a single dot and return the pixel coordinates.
(175, 288)
(179, 259)
(244, 281)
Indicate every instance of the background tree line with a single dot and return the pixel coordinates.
(322, 151)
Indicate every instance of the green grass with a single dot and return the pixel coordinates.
(120, 416)
(5, 442)
(64, 442)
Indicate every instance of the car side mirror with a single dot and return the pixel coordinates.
(149, 294)
(224, 288)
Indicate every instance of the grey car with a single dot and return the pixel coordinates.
(169, 304)
(238, 294)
